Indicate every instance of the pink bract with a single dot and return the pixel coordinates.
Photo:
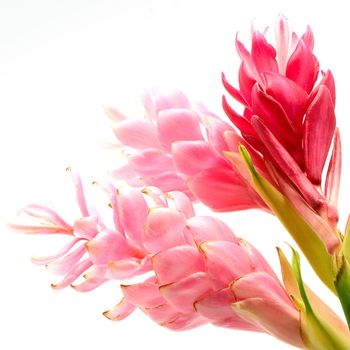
(178, 147)
(197, 270)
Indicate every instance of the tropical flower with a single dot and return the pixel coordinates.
(288, 117)
(195, 269)
(178, 146)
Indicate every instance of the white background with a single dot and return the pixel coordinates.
(60, 61)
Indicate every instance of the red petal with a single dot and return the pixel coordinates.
(241, 123)
(333, 177)
(303, 67)
(291, 96)
(319, 126)
(287, 164)
(263, 54)
(274, 116)
(235, 93)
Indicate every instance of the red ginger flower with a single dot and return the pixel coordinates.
(289, 118)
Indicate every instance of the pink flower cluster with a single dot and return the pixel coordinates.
(200, 271)
(193, 269)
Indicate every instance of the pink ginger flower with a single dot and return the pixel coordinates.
(178, 146)
(195, 269)
(289, 118)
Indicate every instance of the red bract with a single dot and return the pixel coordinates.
(287, 117)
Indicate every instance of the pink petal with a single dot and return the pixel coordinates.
(124, 172)
(257, 261)
(217, 308)
(267, 303)
(90, 284)
(333, 177)
(114, 114)
(184, 293)
(37, 229)
(222, 189)
(144, 294)
(158, 99)
(47, 214)
(193, 156)
(291, 97)
(73, 274)
(169, 181)
(319, 126)
(86, 227)
(132, 211)
(209, 228)
(217, 305)
(282, 43)
(225, 262)
(233, 141)
(136, 133)
(151, 161)
(120, 311)
(123, 269)
(181, 203)
(176, 263)
(110, 245)
(215, 132)
(164, 229)
(79, 192)
(273, 317)
(308, 38)
(260, 285)
(237, 322)
(157, 195)
(64, 264)
(162, 314)
(49, 259)
(177, 125)
(287, 164)
(185, 322)
(263, 54)
(303, 67)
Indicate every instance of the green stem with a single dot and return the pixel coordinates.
(342, 285)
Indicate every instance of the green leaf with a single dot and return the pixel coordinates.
(308, 241)
(317, 333)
